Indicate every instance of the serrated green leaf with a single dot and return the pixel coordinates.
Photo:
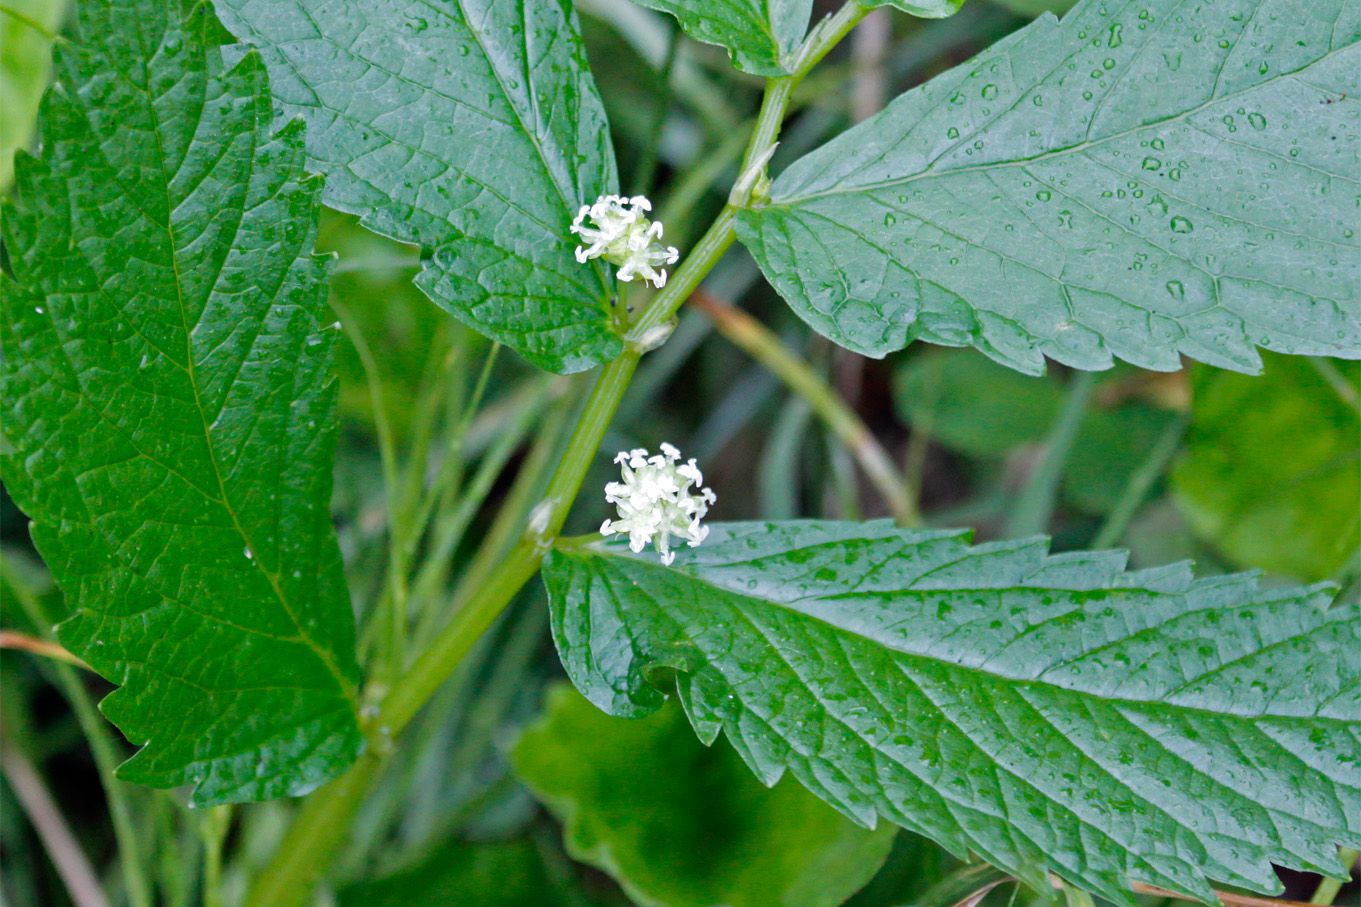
(1272, 471)
(681, 825)
(926, 9)
(1140, 180)
(26, 27)
(760, 35)
(1046, 713)
(472, 129)
(982, 409)
(168, 407)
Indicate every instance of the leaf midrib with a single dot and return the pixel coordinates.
(342, 681)
(931, 169)
(979, 670)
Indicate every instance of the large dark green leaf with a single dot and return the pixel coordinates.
(681, 825)
(760, 35)
(1046, 713)
(1140, 180)
(1272, 472)
(168, 408)
(472, 128)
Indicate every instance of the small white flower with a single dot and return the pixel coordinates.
(621, 234)
(659, 497)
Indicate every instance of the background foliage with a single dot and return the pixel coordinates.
(510, 789)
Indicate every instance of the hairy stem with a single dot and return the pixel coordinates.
(761, 344)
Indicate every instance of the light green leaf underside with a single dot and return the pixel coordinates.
(168, 408)
(926, 9)
(760, 35)
(24, 69)
(471, 128)
(1140, 180)
(1045, 713)
(1272, 471)
(681, 825)
(1035, 7)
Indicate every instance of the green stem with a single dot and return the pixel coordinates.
(1344, 389)
(647, 163)
(1328, 888)
(1076, 897)
(322, 823)
(102, 746)
(1136, 490)
(313, 837)
(32, 23)
(213, 830)
(761, 344)
(391, 611)
(1035, 505)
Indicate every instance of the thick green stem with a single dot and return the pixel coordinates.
(213, 827)
(1136, 490)
(324, 820)
(313, 838)
(1035, 505)
(763, 346)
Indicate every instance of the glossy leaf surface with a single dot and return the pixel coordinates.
(168, 407)
(1043, 712)
(1139, 181)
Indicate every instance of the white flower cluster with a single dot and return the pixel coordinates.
(624, 237)
(656, 501)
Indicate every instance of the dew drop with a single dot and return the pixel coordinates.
(889, 220)
(248, 554)
(1044, 195)
(952, 133)
(1180, 224)
(1257, 121)
(1113, 35)
(1176, 290)
(1151, 163)
(989, 91)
